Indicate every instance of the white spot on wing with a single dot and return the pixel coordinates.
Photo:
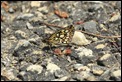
(61, 36)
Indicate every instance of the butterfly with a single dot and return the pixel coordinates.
(61, 37)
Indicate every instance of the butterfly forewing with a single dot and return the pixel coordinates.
(61, 37)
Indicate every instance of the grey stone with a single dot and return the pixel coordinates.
(107, 60)
(81, 76)
(77, 66)
(11, 10)
(44, 10)
(60, 73)
(20, 34)
(118, 4)
(25, 16)
(29, 26)
(116, 73)
(51, 67)
(37, 68)
(90, 26)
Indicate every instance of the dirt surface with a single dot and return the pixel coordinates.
(93, 55)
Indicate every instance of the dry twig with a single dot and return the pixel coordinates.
(84, 32)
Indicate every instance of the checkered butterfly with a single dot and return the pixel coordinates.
(61, 37)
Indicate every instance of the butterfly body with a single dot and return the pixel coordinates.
(61, 37)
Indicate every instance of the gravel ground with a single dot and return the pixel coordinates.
(26, 57)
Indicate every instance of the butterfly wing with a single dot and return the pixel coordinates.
(63, 36)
